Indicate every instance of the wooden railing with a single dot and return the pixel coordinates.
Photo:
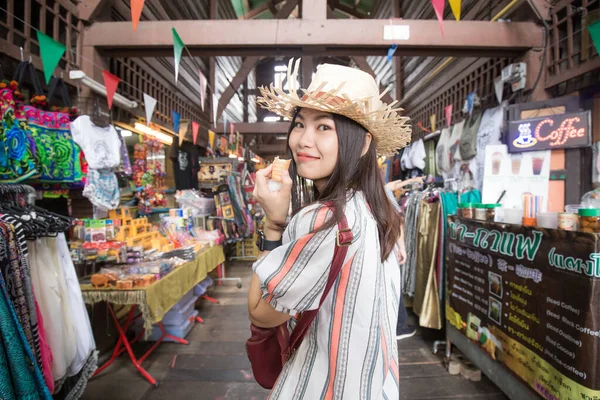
(571, 52)
(480, 81)
(56, 18)
(138, 81)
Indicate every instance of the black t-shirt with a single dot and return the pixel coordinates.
(182, 166)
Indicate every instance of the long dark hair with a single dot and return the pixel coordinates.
(352, 172)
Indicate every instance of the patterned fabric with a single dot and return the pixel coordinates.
(102, 188)
(16, 147)
(350, 350)
(21, 377)
(56, 154)
(25, 275)
(11, 267)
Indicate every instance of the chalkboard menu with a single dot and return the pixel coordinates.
(528, 297)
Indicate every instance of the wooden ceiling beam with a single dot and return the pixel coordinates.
(209, 37)
(257, 128)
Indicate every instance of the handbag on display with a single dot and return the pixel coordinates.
(270, 348)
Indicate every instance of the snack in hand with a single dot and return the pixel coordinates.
(279, 166)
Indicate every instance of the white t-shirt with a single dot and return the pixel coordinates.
(101, 146)
(418, 154)
(406, 161)
(489, 133)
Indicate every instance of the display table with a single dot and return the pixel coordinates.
(154, 302)
(520, 303)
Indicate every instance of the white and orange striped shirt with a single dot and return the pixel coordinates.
(350, 351)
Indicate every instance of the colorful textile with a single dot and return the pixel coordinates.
(57, 155)
(21, 377)
(16, 147)
(350, 351)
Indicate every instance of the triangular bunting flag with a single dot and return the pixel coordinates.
(51, 52)
(195, 128)
(223, 145)
(183, 128)
(111, 82)
(136, 12)
(202, 89)
(391, 52)
(448, 110)
(594, 30)
(176, 117)
(231, 132)
(433, 120)
(215, 106)
(149, 105)
(499, 87)
(438, 6)
(177, 50)
(455, 5)
(211, 139)
(470, 102)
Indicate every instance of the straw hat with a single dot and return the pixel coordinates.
(345, 91)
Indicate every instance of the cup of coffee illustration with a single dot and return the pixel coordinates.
(537, 164)
(496, 162)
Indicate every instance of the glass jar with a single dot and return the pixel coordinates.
(466, 210)
(480, 212)
(490, 211)
(589, 220)
(591, 200)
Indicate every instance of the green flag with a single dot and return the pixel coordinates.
(51, 52)
(178, 49)
(595, 33)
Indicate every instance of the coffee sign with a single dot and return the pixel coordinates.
(552, 132)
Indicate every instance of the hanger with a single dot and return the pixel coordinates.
(98, 117)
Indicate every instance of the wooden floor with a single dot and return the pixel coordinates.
(214, 365)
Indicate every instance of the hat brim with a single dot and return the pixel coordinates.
(389, 129)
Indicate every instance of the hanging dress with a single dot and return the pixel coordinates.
(20, 377)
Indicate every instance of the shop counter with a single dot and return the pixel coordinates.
(520, 302)
(154, 302)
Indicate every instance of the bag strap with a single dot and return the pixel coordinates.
(59, 84)
(343, 240)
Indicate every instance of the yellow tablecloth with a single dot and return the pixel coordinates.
(155, 300)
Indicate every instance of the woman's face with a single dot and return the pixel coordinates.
(314, 145)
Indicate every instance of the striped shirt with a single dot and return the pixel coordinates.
(350, 350)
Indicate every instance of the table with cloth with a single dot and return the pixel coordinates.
(153, 301)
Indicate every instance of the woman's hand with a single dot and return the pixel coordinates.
(276, 205)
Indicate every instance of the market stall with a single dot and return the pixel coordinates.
(154, 301)
(520, 303)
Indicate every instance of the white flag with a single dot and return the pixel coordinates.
(499, 86)
(149, 105)
(202, 89)
(215, 109)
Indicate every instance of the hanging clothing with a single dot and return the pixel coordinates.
(489, 133)
(102, 188)
(350, 350)
(57, 155)
(408, 272)
(417, 154)
(468, 139)
(100, 145)
(442, 152)
(20, 376)
(426, 303)
(51, 289)
(17, 149)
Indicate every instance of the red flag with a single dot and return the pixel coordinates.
(448, 110)
(195, 127)
(438, 6)
(136, 12)
(111, 82)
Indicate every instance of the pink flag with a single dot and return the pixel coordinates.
(438, 6)
(448, 111)
(231, 132)
(195, 128)
(202, 89)
(111, 82)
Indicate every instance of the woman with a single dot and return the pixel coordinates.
(338, 128)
